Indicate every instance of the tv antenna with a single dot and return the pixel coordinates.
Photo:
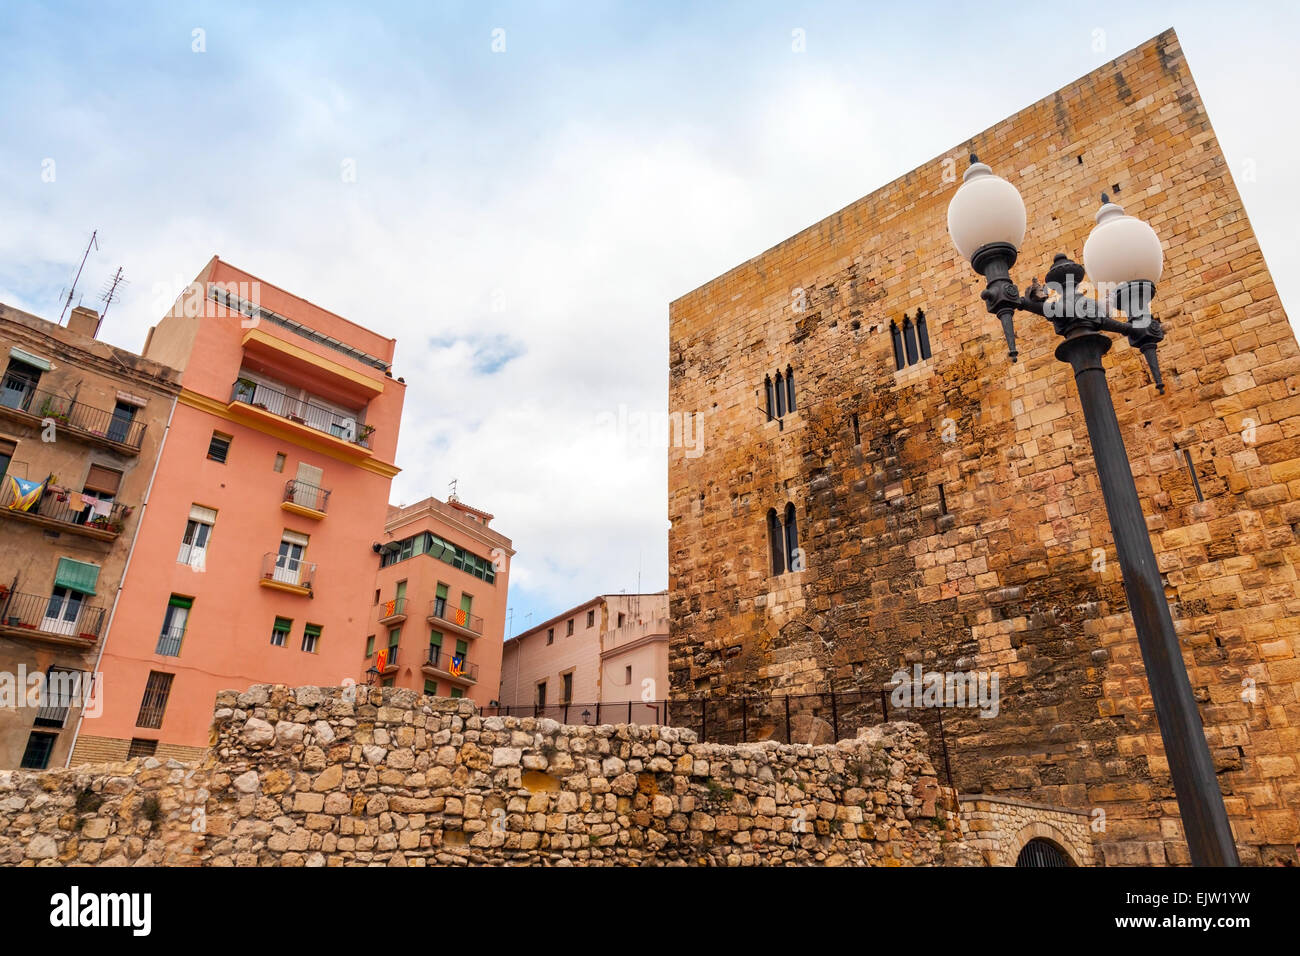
(110, 294)
(451, 490)
(67, 302)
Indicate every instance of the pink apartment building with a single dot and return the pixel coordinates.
(609, 651)
(439, 602)
(253, 562)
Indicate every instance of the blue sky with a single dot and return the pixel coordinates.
(519, 220)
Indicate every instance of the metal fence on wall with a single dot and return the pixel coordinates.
(793, 718)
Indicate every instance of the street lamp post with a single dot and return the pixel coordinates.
(986, 221)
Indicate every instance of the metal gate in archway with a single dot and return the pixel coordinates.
(1040, 852)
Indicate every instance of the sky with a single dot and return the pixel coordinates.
(515, 192)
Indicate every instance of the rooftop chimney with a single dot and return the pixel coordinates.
(84, 321)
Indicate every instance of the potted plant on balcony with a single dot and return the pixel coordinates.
(364, 432)
(245, 389)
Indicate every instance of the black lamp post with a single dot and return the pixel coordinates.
(986, 220)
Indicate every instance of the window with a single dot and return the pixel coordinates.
(462, 649)
(140, 747)
(431, 688)
(591, 618)
(279, 461)
(457, 693)
(621, 618)
(771, 398)
(388, 682)
(541, 694)
(394, 638)
(98, 491)
(912, 342)
(7, 449)
(466, 606)
(430, 544)
(435, 647)
(61, 690)
(776, 542)
(154, 703)
(370, 646)
(440, 602)
(311, 639)
(550, 635)
(63, 612)
(175, 618)
(119, 427)
(794, 560)
(566, 688)
(219, 447)
(20, 381)
(39, 748)
(627, 674)
(198, 531)
(289, 565)
(280, 631)
(569, 631)
(789, 388)
(780, 393)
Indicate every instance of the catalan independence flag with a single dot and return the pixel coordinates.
(23, 494)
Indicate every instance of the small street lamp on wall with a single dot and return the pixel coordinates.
(1123, 257)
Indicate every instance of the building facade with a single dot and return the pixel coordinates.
(439, 604)
(81, 423)
(612, 650)
(253, 562)
(882, 489)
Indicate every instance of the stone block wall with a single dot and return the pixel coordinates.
(998, 829)
(368, 776)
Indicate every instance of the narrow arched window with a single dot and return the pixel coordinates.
(771, 399)
(775, 542)
(780, 396)
(793, 558)
(909, 340)
(922, 334)
(789, 387)
(897, 338)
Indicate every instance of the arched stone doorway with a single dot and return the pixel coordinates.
(1042, 852)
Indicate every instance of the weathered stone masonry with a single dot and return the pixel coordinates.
(371, 776)
(950, 512)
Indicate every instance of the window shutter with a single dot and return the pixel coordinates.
(101, 479)
(178, 601)
(293, 537)
(76, 576)
(310, 630)
(442, 591)
(205, 515)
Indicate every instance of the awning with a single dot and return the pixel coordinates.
(76, 576)
(30, 359)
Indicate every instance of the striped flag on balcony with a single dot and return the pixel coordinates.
(24, 494)
(461, 616)
(457, 664)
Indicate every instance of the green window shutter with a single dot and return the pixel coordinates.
(76, 576)
(435, 638)
(311, 630)
(283, 624)
(370, 646)
(461, 648)
(431, 688)
(177, 601)
(442, 591)
(466, 602)
(457, 693)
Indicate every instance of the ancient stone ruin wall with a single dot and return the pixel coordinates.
(367, 776)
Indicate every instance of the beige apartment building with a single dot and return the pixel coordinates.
(81, 425)
(606, 652)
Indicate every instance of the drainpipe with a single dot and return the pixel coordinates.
(125, 568)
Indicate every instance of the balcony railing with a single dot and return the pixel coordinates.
(283, 569)
(439, 611)
(18, 394)
(440, 660)
(307, 495)
(51, 508)
(169, 641)
(307, 413)
(51, 616)
(391, 609)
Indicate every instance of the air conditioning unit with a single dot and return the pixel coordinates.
(349, 426)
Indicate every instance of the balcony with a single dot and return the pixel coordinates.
(284, 573)
(460, 621)
(439, 664)
(21, 401)
(392, 611)
(59, 515)
(264, 401)
(305, 499)
(169, 642)
(49, 620)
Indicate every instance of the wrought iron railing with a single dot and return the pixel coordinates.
(393, 607)
(307, 495)
(288, 570)
(63, 617)
(307, 413)
(57, 506)
(471, 622)
(19, 394)
(441, 660)
(169, 641)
